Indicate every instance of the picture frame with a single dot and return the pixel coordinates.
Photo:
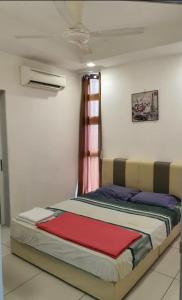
(145, 106)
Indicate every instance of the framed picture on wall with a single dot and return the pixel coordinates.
(145, 106)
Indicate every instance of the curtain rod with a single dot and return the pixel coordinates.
(94, 70)
(92, 75)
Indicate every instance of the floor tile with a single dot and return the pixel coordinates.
(5, 250)
(175, 244)
(16, 271)
(168, 263)
(173, 292)
(45, 287)
(6, 235)
(142, 290)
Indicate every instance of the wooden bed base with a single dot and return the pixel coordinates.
(85, 281)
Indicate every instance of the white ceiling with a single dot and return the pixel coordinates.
(162, 22)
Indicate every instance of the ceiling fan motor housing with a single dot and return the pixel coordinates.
(76, 36)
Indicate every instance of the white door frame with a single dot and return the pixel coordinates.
(1, 272)
(4, 173)
(2, 201)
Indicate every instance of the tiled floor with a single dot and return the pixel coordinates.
(22, 281)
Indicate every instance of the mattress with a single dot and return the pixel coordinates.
(155, 224)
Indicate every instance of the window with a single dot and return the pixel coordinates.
(90, 135)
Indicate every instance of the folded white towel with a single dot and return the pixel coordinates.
(35, 215)
(33, 223)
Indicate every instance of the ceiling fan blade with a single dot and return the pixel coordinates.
(71, 11)
(21, 37)
(117, 32)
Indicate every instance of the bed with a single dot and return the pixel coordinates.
(95, 273)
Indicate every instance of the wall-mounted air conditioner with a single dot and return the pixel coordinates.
(42, 79)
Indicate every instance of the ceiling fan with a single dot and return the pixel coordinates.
(76, 32)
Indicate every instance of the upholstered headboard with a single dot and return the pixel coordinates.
(151, 176)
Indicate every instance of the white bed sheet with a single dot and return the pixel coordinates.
(96, 263)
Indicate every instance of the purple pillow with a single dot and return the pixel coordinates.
(116, 191)
(157, 199)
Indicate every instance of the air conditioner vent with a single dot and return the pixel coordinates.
(41, 79)
(45, 84)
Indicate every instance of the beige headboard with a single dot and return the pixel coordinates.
(151, 176)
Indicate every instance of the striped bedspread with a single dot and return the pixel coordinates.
(154, 223)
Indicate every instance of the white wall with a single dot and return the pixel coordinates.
(160, 140)
(42, 137)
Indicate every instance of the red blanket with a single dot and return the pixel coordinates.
(97, 235)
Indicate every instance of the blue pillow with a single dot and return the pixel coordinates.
(117, 192)
(157, 199)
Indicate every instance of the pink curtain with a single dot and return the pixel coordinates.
(90, 134)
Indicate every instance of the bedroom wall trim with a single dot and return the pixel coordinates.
(5, 195)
